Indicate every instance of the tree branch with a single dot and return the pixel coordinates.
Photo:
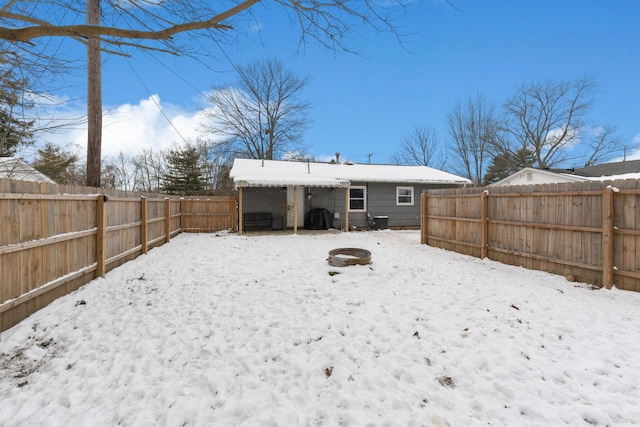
(43, 29)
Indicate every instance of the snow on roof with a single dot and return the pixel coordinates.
(612, 169)
(278, 173)
(615, 177)
(532, 176)
(544, 176)
(17, 169)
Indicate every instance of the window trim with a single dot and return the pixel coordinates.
(364, 197)
(412, 195)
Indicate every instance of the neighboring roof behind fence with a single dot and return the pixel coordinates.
(279, 173)
(17, 169)
(532, 176)
(607, 171)
(625, 169)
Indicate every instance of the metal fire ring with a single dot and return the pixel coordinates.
(344, 257)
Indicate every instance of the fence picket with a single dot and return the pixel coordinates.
(55, 238)
(589, 231)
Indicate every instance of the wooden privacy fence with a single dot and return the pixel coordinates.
(53, 241)
(205, 215)
(589, 231)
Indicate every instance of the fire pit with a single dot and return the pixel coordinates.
(344, 257)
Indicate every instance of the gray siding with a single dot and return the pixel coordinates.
(381, 201)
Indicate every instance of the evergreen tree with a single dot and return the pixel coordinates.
(186, 173)
(59, 165)
(14, 131)
(505, 164)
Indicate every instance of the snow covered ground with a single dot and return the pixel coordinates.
(257, 330)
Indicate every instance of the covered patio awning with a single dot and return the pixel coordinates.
(246, 181)
(285, 181)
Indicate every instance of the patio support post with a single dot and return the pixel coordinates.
(346, 208)
(240, 225)
(295, 209)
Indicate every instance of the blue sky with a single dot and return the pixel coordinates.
(364, 104)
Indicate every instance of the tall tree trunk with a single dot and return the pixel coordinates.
(94, 98)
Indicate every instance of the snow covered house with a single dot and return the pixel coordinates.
(277, 194)
(532, 176)
(18, 170)
(628, 169)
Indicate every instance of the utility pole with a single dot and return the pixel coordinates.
(94, 98)
(369, 157)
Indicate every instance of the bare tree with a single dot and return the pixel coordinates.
(149, 169)
(262, 117)
(603, 142)
(176, 27)
(158, 24)
(216, 168)
(549, 118)
(119, 172)
(473, 130)
(421, 147)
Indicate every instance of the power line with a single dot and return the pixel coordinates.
(155, 102)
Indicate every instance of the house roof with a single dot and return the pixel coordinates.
(537, 176)
(17, 169)
(278, 173)
(611, 169)
(607, 171)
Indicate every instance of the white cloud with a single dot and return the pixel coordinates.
(128, 128)
(635, 150)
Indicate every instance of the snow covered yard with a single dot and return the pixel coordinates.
(249, 330)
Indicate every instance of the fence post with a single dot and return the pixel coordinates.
(484, 221)
(607, 237)
(144, 225)
(100, 236)
(423, 217)
(182, 222)
(167, 219)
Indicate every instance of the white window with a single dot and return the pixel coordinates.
(404, 196)
(357, 199)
